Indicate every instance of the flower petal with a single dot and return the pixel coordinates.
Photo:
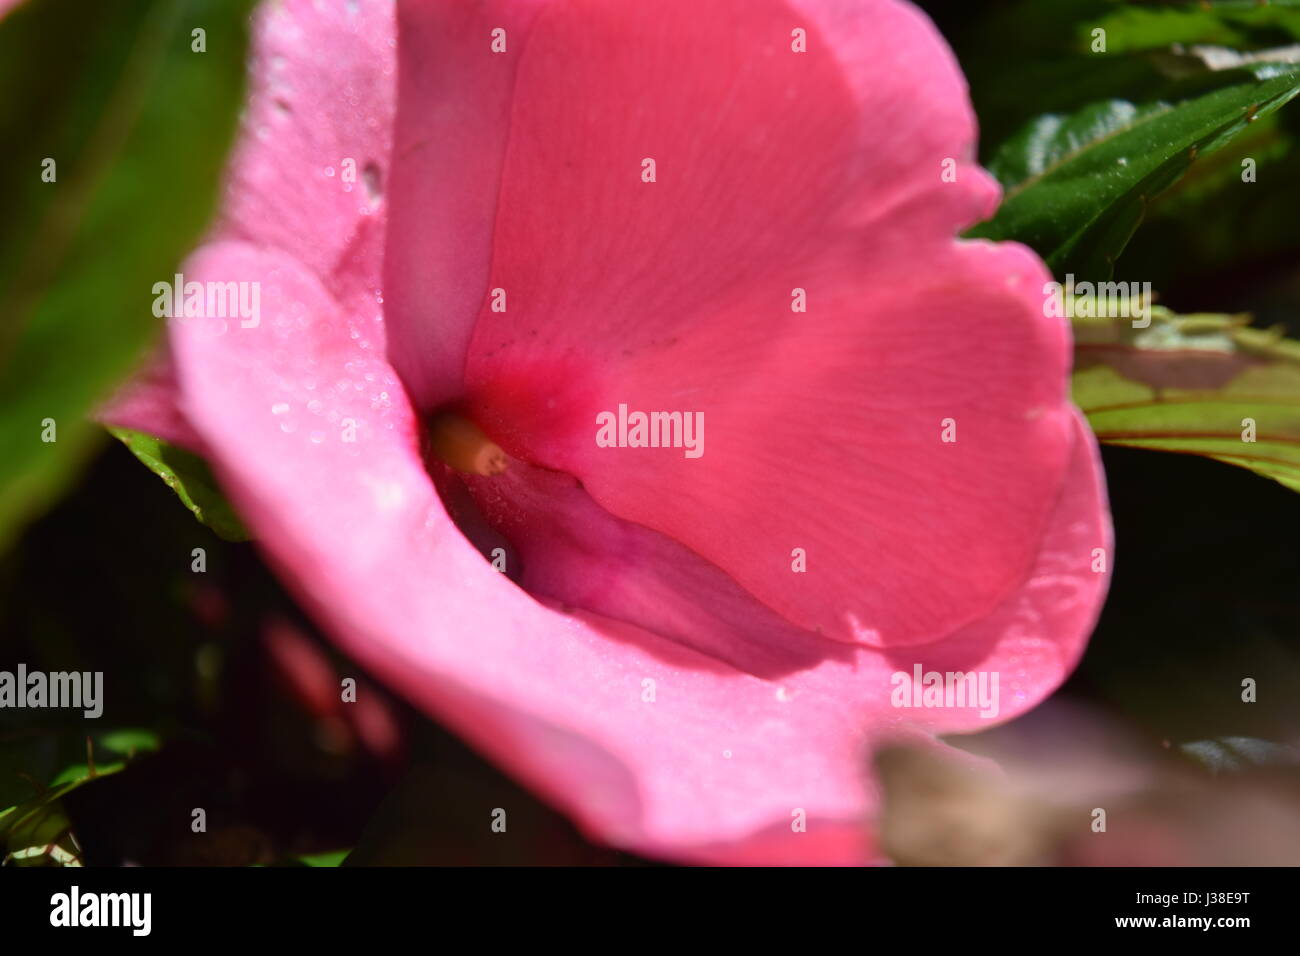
(311, 163)
(707, 762)
(778, 173)
(449, 145)
(1034, 639)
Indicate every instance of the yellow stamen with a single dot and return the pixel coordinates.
(456, 441)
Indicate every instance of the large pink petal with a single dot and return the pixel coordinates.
(776, 170)
(825, 437)
(713, 769)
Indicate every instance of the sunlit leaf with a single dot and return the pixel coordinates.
(1078, 186)
(190, 477)
(1196, 384)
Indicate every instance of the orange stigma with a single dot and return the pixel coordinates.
(456, 441)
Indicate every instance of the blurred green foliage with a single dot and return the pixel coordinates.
(115, 133)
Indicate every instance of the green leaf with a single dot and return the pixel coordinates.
(190, 477)
(1078, 186)
(1195, 384)
(1240, 24)
(137, 125)
(1059, 68)
(37, 831)
(333, 858)
(1211, 224)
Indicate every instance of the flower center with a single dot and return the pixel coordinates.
(457, 442)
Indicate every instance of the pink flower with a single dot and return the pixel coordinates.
(691, 656)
